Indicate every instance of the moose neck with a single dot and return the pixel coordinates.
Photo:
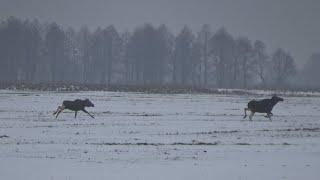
(274, 102)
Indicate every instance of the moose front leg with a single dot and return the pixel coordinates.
(75, 114)
(251, 115)
(269, 116)
(245, 112)
(87, 113)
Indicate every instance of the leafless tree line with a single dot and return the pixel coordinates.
(34, 52)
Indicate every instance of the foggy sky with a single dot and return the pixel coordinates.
(290, 24)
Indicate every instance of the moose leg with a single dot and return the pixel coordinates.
(269, 116)
(60, 109)
(251, 115)
(245, 112)
(57, 110)
(75, 114)
(87, 113)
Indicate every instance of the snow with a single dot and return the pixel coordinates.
(156, 136)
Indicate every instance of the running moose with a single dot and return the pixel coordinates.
(76, 105)
(262, 106)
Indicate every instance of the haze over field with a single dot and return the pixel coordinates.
(290, 24)
(208, 43)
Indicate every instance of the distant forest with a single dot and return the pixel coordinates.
(33, 52)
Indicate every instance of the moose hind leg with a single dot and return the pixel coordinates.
(251, 115)
(245, 112)
(61, 108)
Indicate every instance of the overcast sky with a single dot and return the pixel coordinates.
(291, 24)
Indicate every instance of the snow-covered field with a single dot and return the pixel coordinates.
(155, 137)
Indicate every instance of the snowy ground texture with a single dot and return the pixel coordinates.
(155, 137)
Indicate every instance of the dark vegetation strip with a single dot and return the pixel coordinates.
(317, 129)
(4, 136)
(180, 144)
(193, 143)
(295, 129)
(103, 87)
(155, 144)
(203, 133)
(167, 89)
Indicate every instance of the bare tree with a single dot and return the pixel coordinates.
(311, 72)
(84, 44)
(244, 57)
(283, 66)
(112, 45)
(196, 64)
(203, 38)
(261, 61)
(164, 51)
(183, 49)
(56, 47)
(222, 44)
(125, 57)
(148, 47)
(12, 48)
